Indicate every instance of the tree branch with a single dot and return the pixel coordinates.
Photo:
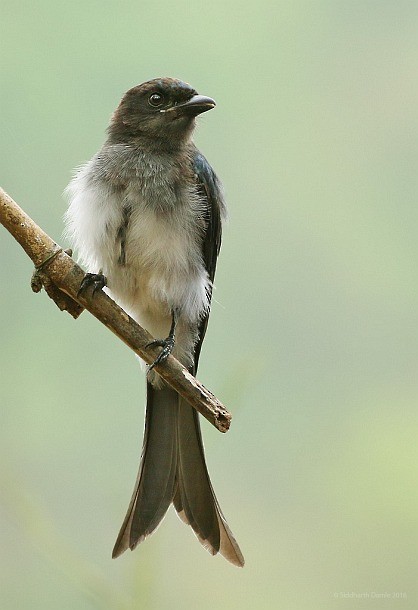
(61, 278)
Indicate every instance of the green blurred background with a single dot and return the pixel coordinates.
(313, 339)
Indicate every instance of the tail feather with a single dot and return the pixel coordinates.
(194, 496)
(195, 500)
(173, 469)
(154, 487)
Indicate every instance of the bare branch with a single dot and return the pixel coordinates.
(61, 277)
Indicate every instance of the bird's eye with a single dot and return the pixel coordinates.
(156, 99)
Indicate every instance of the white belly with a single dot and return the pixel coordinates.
(162, 268)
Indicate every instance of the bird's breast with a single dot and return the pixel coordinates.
(157, 262)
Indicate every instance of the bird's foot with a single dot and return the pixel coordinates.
(167, 347)
(97, 280)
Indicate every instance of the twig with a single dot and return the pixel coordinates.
(61, 277)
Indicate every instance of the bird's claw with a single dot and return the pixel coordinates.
(167, 347)
(97, 280)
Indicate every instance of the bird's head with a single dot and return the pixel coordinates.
(162, 110)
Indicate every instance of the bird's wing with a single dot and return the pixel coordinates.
(210, 192)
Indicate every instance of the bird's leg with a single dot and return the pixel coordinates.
(97, 280)
(167, 344)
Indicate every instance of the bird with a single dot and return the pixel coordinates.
(145, 215)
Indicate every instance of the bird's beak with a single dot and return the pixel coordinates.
(194, 106)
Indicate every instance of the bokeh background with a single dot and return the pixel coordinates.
(313, 339)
